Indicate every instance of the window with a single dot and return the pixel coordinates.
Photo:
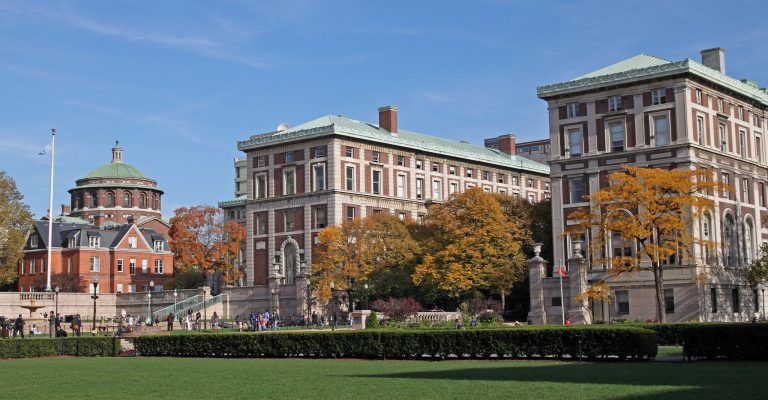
(616, 131)
(698, 96)
(661, 130)
(487, 189)
(723, 138)
(320, 151)
(42, 265)
(144, 266)
(33, 266)
(572, 110)
(132, 266)
(110, 201)
(700, 130)
(669, 301)
(435, 167)
(758, 149)
(556, 301)
(706, 229)
(126, 200)
(33, 241)
(320, 219)
(486, 176)
(726, 180)
(402, 216)
(729, 241)
(349, 178)
(658, 96)
(94, 288)
(436, 189)
(736, 301)
(453, 187)
(574, 142)
(713, 299)
(319, 175)
(531, 198)
(376, 156)
(622, 302)
(349, 151)
(119, 288)
(119, 265)
(529, 183)
(143, 199)
(290, 156)
(158, 266)
(350, 213)
(95, 264)
(546, 186)
(261, 161)
(401, 161)
(400, 185)
(501, 178)
(261, 224)
(261, 186)
(289, 182)
(94, 200)
(132, 242)
(376, 182)
(469, 172)
(514, 181)
(745, 190)
(576, 187)
(748, 242)
(419, 164)
(290, 220)
(761, 194)
(720, 104)
(419, 188)
(614, 103)
(743, 144)
(159, 245)
(740, 113)
(452, 170)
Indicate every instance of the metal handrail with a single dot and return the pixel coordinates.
(194, 307)
(174, 308)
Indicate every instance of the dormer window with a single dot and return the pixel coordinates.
(33, 241)
(132, 242)
(94, 241)
(159, 245)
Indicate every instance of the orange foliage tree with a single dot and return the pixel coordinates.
(652, 209)
(475, 246)
(202, 239)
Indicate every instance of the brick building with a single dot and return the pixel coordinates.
(651, 112)
(333, 168)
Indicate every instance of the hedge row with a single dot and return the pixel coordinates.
(668, 334)
(737, 341)
(74, 346)
(587, 342)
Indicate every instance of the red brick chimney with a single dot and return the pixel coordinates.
(388, 118)
(507, 144)
(98, 220)
(65, 209)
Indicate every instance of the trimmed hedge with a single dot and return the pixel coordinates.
(75, 346)
(669, 334)
(587, 341)
(737, 341)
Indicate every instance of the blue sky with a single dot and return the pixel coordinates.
(179, 82)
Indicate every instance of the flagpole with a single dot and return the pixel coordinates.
(50, 215)
(562, 299)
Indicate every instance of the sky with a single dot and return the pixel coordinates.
(178, 83)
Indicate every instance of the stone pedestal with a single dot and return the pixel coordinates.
(578, 310)
(359, 317)
(536, 272)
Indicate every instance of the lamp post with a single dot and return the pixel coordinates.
(94, 296)
(50, 215)
(151, 288)
(56, 316)
(175, 295)
(333, 306)
(205, 311)
(366, 295)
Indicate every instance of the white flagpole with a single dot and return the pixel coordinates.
(50, 215)
(562, 299)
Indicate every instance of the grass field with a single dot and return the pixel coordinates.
(177, 378)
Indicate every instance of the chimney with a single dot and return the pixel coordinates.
(98, 220)
(131, 220)
(507, 144)
(388, 118)
(65, 209)
(714, 58)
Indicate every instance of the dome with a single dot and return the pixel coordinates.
(116, 170)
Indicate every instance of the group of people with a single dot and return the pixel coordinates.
(259, 322)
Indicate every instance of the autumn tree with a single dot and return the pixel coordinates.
(73, 283)
(650, 210)
(476, 246)
(351, 253)
(15, 223)
(757, 270)
(202, 239)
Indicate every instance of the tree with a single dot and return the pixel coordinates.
(15, 224)
(351, 253)
(475, 246)
(202, 239)
(651, 210)
(757, 271)
(73, 283)
(190, 279)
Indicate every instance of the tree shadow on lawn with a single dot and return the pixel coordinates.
(699, 380)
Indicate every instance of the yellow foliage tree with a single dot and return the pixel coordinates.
(15, 223)
(476, 246)
(652, 209)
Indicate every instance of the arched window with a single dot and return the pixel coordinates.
(94, 200)
(291, 262)
(110, 199)
(707, 237)
(729, 237)
(126, 199)
(142, 200)
(748, 245)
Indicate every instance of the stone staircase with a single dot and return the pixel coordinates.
(126, 345)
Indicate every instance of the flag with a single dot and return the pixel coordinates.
(562, 272)
(45, 150)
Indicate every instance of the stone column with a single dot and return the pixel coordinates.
(536, 272)
(302, 283)
(578, 311)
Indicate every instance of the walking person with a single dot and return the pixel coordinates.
(254, 321)
(215, 320)
(314, 319)
(18, 326)
(76, 325)
(198, 321)
(239, 322)
(169, 319)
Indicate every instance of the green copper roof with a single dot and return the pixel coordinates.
(70, 220)
(637, 62)
(332, 124)
(116, 170)
(240, 200)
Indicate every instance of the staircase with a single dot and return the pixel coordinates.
(126, 345)
(194, 303)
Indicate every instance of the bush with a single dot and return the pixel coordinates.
(73, 346)
(586, 341)
(736, 341)
(667, 334)
(397, 310)
(372, 320)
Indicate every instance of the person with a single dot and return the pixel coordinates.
(77, 325)
(169, 320)
(459, 325)
(263, 322)
(33, 330)
(58, 321)
(198, 321)
(473, 323)
(239, 322)
(130, 323)
(254, 321)
(188, 319)
(567, 322)
(215, 320)
(18, 326)
(275, 321)
(122, 312)
(314, 319)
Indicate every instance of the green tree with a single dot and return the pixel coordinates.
(15, 224)
(757, 271)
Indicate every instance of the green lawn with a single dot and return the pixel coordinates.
(171, 378)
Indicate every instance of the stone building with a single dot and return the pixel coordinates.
(650, 112)
(333, 168)
(536, 150)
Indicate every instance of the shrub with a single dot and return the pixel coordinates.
(479, 305)
(372, 320)
(589, 342)
(397, 310)
(490, 318)
(73, 346)
(737, 341)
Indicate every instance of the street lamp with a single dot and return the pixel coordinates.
(151, 288)
(333, 306)
(366, 295)
(56, 317)
(175, 295)
(272, 292)
(94, 296)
